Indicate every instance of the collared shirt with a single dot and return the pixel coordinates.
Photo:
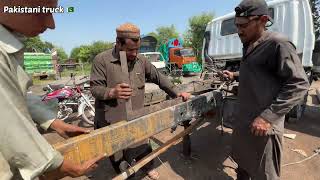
(106, 74)
(21, 145)
(272, 80)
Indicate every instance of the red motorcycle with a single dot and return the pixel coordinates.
(70, 99)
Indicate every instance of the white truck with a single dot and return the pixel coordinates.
(157, 60)
(223, 49)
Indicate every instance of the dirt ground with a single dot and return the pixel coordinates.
(210, 151)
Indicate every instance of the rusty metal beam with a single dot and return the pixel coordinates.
(194, 87)
(124, 134)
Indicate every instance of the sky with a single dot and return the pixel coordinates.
(94, 20)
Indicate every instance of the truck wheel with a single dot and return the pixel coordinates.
(175, 70)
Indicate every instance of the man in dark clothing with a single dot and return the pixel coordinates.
(109, 89)
(271, 82)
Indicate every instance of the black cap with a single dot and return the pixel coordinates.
(252, 8)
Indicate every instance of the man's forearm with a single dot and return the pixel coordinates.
(285, 101)
(169, 88)
(101, 92)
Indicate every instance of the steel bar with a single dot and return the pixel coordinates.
(121, 135)
(157, 152)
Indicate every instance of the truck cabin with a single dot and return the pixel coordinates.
(182, 56)
(223, 48)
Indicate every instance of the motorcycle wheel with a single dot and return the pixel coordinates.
(88, 114)
(64, 114)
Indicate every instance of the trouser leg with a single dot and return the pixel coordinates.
(271, 160)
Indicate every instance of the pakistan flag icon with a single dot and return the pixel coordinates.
(70, 9)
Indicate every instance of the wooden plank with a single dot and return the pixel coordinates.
(124, 68)
(121, 135)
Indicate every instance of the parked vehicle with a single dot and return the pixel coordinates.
(316, 59)
(39, 64)
(222, 47)
(157, 60)
(148, 44)
(70, 99)
(179, 57)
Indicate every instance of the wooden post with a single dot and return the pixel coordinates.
(124, 68)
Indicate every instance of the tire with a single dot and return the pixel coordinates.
(88, 114)
(63, 115)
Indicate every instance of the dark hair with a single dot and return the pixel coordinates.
(122, 40)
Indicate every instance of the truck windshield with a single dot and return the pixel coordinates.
(187, 52)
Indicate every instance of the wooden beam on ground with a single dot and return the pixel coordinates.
(121, 135)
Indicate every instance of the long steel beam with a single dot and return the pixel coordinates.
(142, 125)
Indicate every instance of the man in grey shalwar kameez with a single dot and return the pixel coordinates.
(271, 82)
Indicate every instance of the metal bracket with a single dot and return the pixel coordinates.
(195, 107)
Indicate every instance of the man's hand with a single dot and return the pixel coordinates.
(69, 169)
(80, 170)
(185, 96)
(121, 91)
(228, 74)
(260, 127)
(67, 130)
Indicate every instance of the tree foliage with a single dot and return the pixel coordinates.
(166, 32)
(86, 53)
(315, 7)
(62, 55)
(195, 33)
(35, 44)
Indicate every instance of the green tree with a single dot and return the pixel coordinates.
(49, 45)
(154, 35)
(74, 53)
(34, 44)
(195, 33)
(86, 53)
(315, 7)
(166, 32)
(98, 47)
(62, 55)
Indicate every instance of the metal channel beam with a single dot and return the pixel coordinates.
(193, 87)
(124, 134)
